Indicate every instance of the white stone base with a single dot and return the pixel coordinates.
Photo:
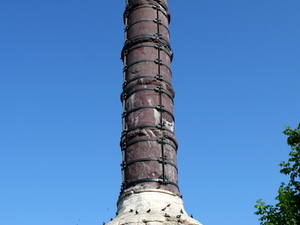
(151, 207)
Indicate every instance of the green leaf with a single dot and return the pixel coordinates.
(287, 209)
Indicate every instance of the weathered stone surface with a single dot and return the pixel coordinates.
(148, 138)
(151, 207)
(150, 193)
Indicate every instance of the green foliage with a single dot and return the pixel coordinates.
(287, 210)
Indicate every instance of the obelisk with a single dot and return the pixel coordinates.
(149, 193)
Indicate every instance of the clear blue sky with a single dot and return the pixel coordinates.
(236, 76)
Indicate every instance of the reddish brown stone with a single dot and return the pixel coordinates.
(148, 141)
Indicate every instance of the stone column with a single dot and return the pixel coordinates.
(148, 142)
(149, 193)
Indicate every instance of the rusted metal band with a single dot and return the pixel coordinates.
(158, 108)
(158, 77)
(162, 4)
(145, 38)
(146, 89)
(146, 60)
(160, 160)
(159, 180)
(128, 49)
(158, 38)
(124, 144)
(144, 140)
(150, 126)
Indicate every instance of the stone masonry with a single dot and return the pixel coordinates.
(149, 192)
